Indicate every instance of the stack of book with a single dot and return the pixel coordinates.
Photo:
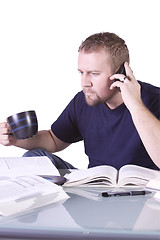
(22, 188)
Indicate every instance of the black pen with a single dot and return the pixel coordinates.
(129, 193)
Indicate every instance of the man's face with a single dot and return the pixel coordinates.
(95, 70)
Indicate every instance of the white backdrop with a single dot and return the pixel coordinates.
(39, 40)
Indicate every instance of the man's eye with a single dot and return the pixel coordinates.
(94, 73)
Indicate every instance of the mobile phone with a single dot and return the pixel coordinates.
(121, 70)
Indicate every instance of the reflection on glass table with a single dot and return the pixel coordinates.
(88, 215)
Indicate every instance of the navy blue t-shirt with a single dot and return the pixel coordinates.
(109, 135)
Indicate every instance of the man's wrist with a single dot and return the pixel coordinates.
(137, 108)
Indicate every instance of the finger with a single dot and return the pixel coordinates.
(6, 143)
(3, 124)
(117, 84)
(5, 140)
(5, 131)
(119, 77)
(3, 128)
(129, 71)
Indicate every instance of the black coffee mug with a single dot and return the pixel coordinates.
(24, 124)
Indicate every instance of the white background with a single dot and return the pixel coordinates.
(39, 40)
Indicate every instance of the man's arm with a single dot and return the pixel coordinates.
(44, 139)
(147, 125)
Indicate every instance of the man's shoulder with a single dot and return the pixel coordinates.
(150, 97)
(79, 100)
(149, 88)
(79, 96)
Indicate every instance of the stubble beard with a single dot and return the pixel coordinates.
(91, 101)
(94, 99)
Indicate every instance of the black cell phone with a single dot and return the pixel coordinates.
(121, 70)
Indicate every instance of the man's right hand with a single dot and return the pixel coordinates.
(7, 138)
(43, 139)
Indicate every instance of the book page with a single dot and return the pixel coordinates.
(16, 166)
(28, 192)
(91, 176)
(137, 175)
(154, 184)
(24, 186)
(24, 206)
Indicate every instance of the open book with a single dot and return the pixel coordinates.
(21, 189)
(107, 176)
(17, 166)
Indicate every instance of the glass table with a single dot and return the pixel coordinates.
(88, 215)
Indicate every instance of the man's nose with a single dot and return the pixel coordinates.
(86, 81)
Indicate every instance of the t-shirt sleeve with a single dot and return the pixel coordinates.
(66, 126)
(151, 98)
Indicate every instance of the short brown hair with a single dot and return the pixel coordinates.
(113, 44)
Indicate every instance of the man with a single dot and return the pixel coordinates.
(117, 120)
